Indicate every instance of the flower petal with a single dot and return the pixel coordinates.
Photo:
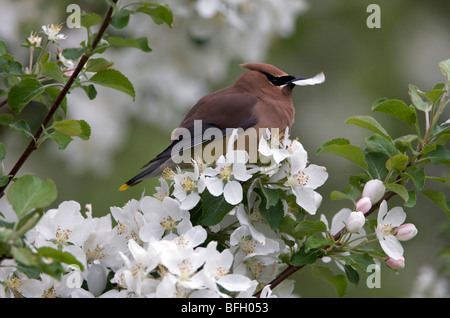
(214, 185)
(233, 192)
(392, 247)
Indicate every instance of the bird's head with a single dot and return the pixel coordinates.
(276, 77)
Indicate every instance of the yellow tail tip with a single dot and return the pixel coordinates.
(124, 187)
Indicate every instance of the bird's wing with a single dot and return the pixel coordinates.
(220, 111)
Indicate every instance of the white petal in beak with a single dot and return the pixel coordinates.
(318, 79)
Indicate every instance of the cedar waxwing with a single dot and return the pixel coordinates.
(260, 98)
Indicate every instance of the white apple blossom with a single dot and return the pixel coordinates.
(387, 221)
(188, 186)
(163, 218)
(52, 32)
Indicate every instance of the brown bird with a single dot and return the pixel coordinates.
(260, 98)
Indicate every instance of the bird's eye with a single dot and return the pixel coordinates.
(279, 80)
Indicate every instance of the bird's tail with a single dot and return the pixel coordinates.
(154, 170)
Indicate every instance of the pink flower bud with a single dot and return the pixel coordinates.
(374, 189)
(405, 232)
(355, 221)
(364, 204)
(396, 263)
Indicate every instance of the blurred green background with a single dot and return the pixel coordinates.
(360, 64)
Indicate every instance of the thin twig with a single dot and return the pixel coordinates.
(62, 94)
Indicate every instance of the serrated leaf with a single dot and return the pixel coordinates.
(397, 108)
(85, 130)
(369, 123)
(69, 127)
(114, 79)
(29, 192)
(339, 282)
(22, 93)
(139, 43)
(343, 148)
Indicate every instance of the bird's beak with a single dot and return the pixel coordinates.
(301, 81)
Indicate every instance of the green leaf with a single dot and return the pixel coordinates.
(301, 257)
(2, 47)
(28, 221)
(377, 165)
(439, 199)
(29, 192)
(114, 79)
(22, 127)
(352, 274)
(95, 65)
(306, 227)
(90, 90)
(369, 123)
(63, 257)
(417, 101)
(339, 282)
(22, 93)
(6, 119)
(445, 67)
(271, 195)
(440, 155)
(398, 109)
(377, 143)
(61, 139)
(272, 214)
(139, 43)
(342, 147)
(85, 130)
(90, 19)
(214, 209)
(403, 143)
(398, 162)
(411, 199)
(433, 95)
(52, 70)
(416, 175)
(159, 13)
(2, 151)
(121, 18)
(73, 53)
(68, 127)
(398, 189)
